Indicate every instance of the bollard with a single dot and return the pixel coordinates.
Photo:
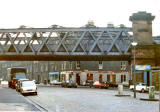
(151, 95)
(120, 89)
(151, 92)
(45, 82)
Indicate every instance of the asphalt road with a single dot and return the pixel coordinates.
(59, 99)
(10, 100)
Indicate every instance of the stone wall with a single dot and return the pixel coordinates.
(156, 79)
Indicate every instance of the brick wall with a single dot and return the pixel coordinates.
(148, 55)
(139, 77)
(156, 79)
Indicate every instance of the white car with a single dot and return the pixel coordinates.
(28, 87)
(19, 83)
(55, 82)
(142, 87)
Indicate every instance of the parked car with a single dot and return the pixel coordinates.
(36, 82)
(97, 84)
(28, 87)
(19, 82)
(89, 83)
(141, 87)
(55, 82)
(69, 83)
(111, 84)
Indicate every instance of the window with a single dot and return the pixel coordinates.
(123, 65)
(31, 68)
(41, 68)
(64, 65)
(70, 65)
(100, 65)
(77, 64)
(55, 67)
(123, 78)
(46, 67)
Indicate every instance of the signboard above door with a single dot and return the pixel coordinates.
(142, 67)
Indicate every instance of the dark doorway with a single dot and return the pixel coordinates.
(148, 79)
(100, 78)
(114, 78)
(62, 77)
(78, 79)
(89, 76)
(108, 78)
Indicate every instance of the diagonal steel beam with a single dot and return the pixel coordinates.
(96, 42)
(28, 44)
(114, 41)
(62, 42)
(1, 46)
(44, 42)
(130, 38)
(79, 40)
(12, 42)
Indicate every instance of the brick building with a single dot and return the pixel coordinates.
(147, 50)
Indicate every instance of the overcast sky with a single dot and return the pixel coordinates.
(75, 13)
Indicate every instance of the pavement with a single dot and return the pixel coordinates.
(10, 100)
(60, 99)
(81, 99)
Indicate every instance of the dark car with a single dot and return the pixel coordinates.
(89, 83)
(111, 84)
(69, 83)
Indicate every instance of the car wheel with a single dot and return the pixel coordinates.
(23, 94)
(35, 93)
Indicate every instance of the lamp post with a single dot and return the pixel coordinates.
(134, 78)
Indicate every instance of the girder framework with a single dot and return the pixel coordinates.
(65, 41)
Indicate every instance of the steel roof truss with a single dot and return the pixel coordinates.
(12, 43)
(28, 44)
(44, 43)
(96, 42)
(78, 42)
(114, 41)
(129, 37)
(62, 42)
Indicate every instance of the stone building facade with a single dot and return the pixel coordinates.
(39, 70)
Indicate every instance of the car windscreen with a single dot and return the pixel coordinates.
(27, 84)
(19, 76)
